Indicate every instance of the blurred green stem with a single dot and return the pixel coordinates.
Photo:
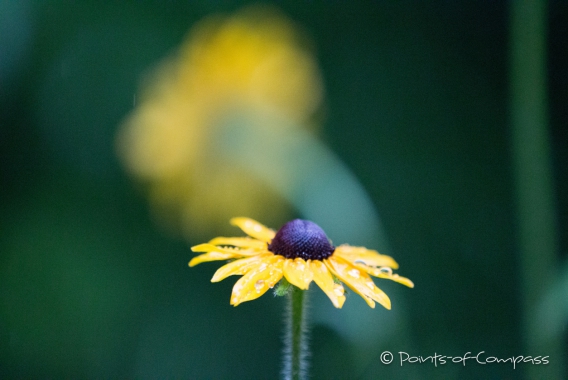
(296, 345)
(533, 175)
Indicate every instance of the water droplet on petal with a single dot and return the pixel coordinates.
(370, 284)
(354, 273)
(259, 285)
(386, 270)
(338, 290)
(262, 267)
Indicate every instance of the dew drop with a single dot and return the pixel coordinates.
(354, 273)
(259, 285)
(386, 270)
(370, 285)
(338, 290)
(262, 267)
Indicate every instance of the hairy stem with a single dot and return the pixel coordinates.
(295, 342)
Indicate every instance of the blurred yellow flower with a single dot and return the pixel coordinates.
(230, 70)
(301, 252)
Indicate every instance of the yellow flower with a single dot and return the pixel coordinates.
(301, 252)
(229, 71)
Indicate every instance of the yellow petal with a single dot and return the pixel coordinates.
(218, 253)
(211, 256)
(257, 280)
(323, 279)
(240, 267)
(206, 247)
(365, 256)
(298, 272)
(236, 252)
(241, 242)
(358, 280)
(203, 248)
(254, 229)
(386, 272)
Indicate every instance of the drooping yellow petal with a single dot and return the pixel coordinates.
(257, 280)
(211, 256)
(323, 279)
(241, 266)
(241, 242)
(357, 280)
(386, 272)
(364, 255)
(254, 229)
(298, 272)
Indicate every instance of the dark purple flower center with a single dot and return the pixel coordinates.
(301, 238)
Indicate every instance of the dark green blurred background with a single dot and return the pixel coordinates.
(417, 105)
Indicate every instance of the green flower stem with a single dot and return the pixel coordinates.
(296, 345)
(534, 177)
